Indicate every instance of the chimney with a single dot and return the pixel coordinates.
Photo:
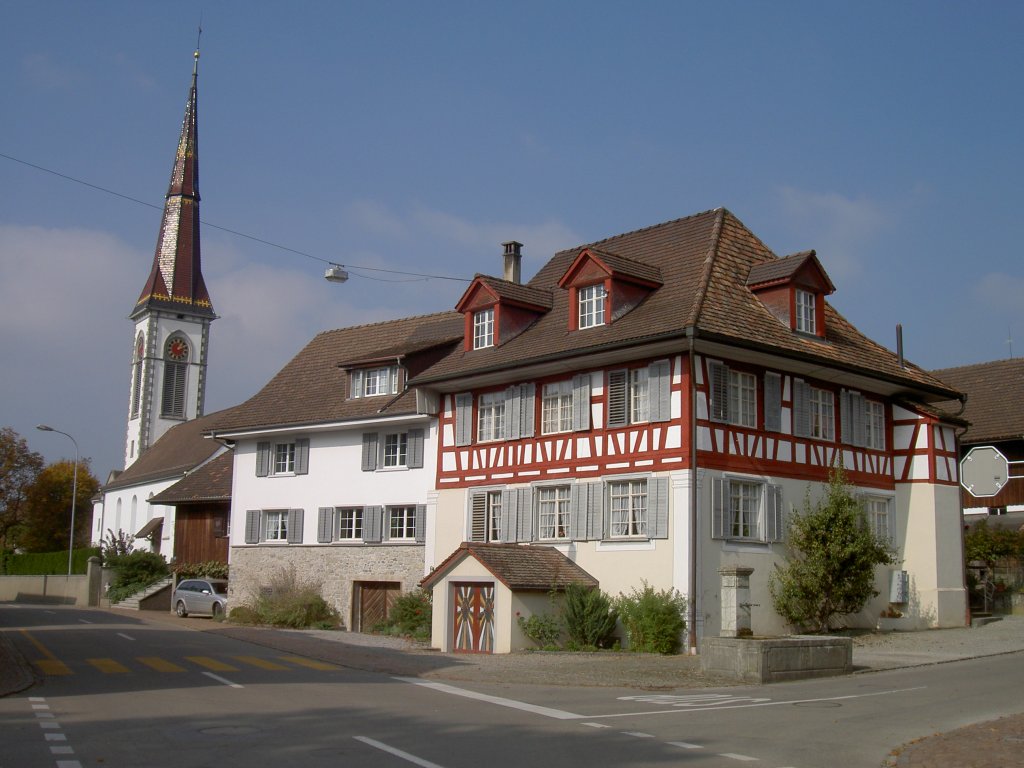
(513, 261)
(899, 345)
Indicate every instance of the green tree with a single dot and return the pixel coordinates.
(47, 517)
(830, 569)
(992, 544)
(19, 468)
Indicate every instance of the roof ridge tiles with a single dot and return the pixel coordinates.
(447, 312)
(620, 235)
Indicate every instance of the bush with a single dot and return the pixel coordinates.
(134, 572)
(211, 569)
(288, 601)
(116, 544)
(410, 616)
(544, 629)
(589, 617)
(654, 620)
(48, 563)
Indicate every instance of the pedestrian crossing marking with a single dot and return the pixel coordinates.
(310, 663)
(211, 664)
(108, 666)
(160, 665)
(53, 667)
(256, 661)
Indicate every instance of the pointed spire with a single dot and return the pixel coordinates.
(176, 279)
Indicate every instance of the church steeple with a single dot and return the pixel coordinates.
(173, 313)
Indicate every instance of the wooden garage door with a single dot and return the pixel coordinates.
(373, 603)
(473, 618)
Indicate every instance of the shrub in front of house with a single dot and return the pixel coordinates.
(654, 620)
(286, 600)
(589, 617)
(410, 616)
(134, 572)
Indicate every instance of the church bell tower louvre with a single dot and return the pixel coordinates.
(173, 313)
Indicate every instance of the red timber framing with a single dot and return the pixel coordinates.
(925, 450)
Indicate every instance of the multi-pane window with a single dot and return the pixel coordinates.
(395, 449)
(805, 317)
(491, 417)
(743, 510)
(639, 401)
(877, 511)
(493, 516)
(628, 508)
(875, 425)
(639, 394)
(284, 458)
(486, 519)
(746, 510)
(370, 382)
(556, 407)
(275, 525)
(403, 522)
(591, 302)
(483, 328)
(350, 523)
(742, 400)
(822, 414)
(553, 512)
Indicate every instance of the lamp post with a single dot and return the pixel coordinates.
(74, 490)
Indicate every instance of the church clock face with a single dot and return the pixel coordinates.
(177, 349)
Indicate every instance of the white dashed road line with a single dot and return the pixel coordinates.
(396, 752)
(46, 722)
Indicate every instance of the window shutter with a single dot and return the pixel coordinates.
(578, 512)
(659, 388)
(774, 525)
(252, 526)
(719, 391)
(369, 451)
(595, 514)
(773, 402)
(581, 402)
(421, 523)
(719, 494)
(524, 511)
(464, 418)
(513, 413)
(414, 449)
(845, 427)
(356, 383)
(262, 459)
(477, 524)
(528, 396)
(295, 526)
(324, 525)
(302, 456)
(858, 419)
(801, 408)
(618, 412)
(373, 523)
(657, 507)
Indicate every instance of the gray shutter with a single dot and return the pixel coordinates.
(618, 406)
(464, 418)
(581, 402)
(262, 459)
(513, 413)
(421, 523)
(718, 389)
(295, 526)
(524, 511)
(578, 512)
(252, 526)
(414, 448)
(325, 525)
(657, 508)
(659, 390)
(509, 515)
(302, 456)
(773, 402)
(719, 521)
(858, 419)
(373, 523)
(477, 524)
(595, 511)
(773, 527)
(801, 408)
(369, 451)
(528, 397)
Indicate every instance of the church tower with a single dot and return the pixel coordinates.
(173, 314)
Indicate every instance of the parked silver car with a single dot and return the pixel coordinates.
(206, 597)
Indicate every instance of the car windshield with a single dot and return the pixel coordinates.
(219, 588)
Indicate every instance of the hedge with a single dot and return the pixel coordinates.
(48, 563)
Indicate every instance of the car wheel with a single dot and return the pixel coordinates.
(180, 609)
(218, 610)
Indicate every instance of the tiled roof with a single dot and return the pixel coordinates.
(517, 566)
(630, 267)
(995, 398)
(704, 261)
(313, 387)
(211, 482)
(777, 269)
(517, 292)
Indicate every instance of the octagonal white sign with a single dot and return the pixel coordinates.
(984, 471)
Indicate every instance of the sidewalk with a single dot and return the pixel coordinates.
(988, 745)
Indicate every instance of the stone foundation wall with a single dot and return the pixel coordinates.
(337, 568)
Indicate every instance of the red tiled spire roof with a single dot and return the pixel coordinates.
(176, 279)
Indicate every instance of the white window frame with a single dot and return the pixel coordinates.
(556, 407)
(493, 517)
(490, 425)
(374, 382)
(742, 399)
(745, 510)
(806, 319)
(554, 512)
(592, 300)
(348, 524)
(638, 393)
(822, 404)
(283, 460)
(274, 525)
(748, 510)
(878, 511)
(628, 509)
(483, 328)
(874, 425)
(396, 450)
(402, 522)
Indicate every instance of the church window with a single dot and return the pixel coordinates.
(137, 376)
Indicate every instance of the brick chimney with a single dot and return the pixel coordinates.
(513, 261)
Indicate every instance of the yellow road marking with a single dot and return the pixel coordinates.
(309, 663)
(52, 667)
(160, 665)
(211, 664)
(108, 665)
(256, 661)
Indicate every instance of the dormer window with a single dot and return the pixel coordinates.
(793, 289)
(371, 382)
(592, 301)
(805, 313)
(483, 328)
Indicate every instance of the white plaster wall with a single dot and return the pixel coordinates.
(105, 514)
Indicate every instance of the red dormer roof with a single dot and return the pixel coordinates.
(593, 263)
(802, 268)
(176, 279)
(486, 290)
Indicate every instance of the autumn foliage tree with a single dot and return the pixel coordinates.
(47, 518)
(19, 468)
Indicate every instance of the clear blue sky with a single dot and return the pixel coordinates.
(419, 136)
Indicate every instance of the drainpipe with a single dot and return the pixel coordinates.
(691, 598)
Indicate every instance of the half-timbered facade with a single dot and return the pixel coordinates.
(676, 394)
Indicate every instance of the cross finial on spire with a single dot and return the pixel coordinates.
(195, 65)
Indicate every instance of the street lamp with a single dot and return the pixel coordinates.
(74, 490)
